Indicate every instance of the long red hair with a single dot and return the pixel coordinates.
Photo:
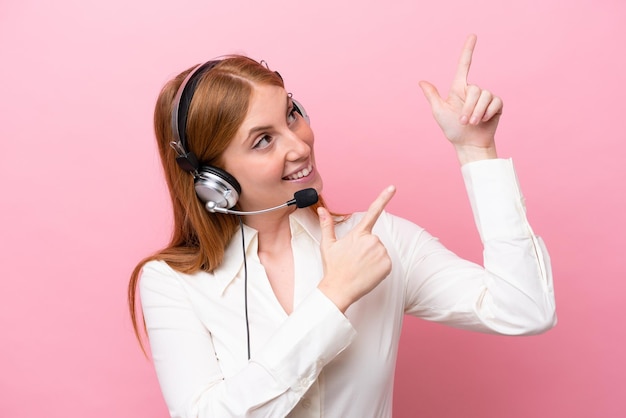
(217, 110)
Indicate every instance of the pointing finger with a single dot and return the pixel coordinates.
(375, 209)
(465, 62)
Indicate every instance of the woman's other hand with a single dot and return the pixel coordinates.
(469, 115)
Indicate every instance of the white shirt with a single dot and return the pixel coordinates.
(317, 362)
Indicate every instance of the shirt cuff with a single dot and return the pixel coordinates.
(496, 199)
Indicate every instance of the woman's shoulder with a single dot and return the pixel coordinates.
(157, 273)
(157, 267)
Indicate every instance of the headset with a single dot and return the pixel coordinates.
(214, 187)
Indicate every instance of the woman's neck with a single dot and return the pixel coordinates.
(273, 228)
(276, 255)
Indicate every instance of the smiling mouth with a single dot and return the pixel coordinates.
(300, 174)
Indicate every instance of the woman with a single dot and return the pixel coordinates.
(296, 312)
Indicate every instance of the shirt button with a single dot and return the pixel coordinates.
(304, 383)
(306, 403)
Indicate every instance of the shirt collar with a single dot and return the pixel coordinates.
(300, 221)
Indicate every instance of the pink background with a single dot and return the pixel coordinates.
(83, 199)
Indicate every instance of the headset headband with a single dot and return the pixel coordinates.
(186, 160)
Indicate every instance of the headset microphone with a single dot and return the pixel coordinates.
(302, 199)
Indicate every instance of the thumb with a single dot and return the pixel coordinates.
(431, 93)
(327, 225)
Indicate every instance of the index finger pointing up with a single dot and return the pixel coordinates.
(462, 71)
(376, 208)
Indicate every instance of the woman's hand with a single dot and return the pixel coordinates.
(356, 263)
(469, 115)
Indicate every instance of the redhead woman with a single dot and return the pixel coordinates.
(296, 311)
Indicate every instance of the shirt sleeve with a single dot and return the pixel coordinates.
(512, 293)
(270, 385)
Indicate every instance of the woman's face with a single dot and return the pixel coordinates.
(271, 155)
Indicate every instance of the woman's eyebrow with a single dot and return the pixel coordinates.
(257, 129)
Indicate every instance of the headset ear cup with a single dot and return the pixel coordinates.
(300, 109)
(216, 185)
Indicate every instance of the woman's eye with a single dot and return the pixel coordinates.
(263, 142)
(292, 116)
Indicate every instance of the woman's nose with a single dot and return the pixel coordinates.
(296, 147)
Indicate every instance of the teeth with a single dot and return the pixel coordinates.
(303, 173)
